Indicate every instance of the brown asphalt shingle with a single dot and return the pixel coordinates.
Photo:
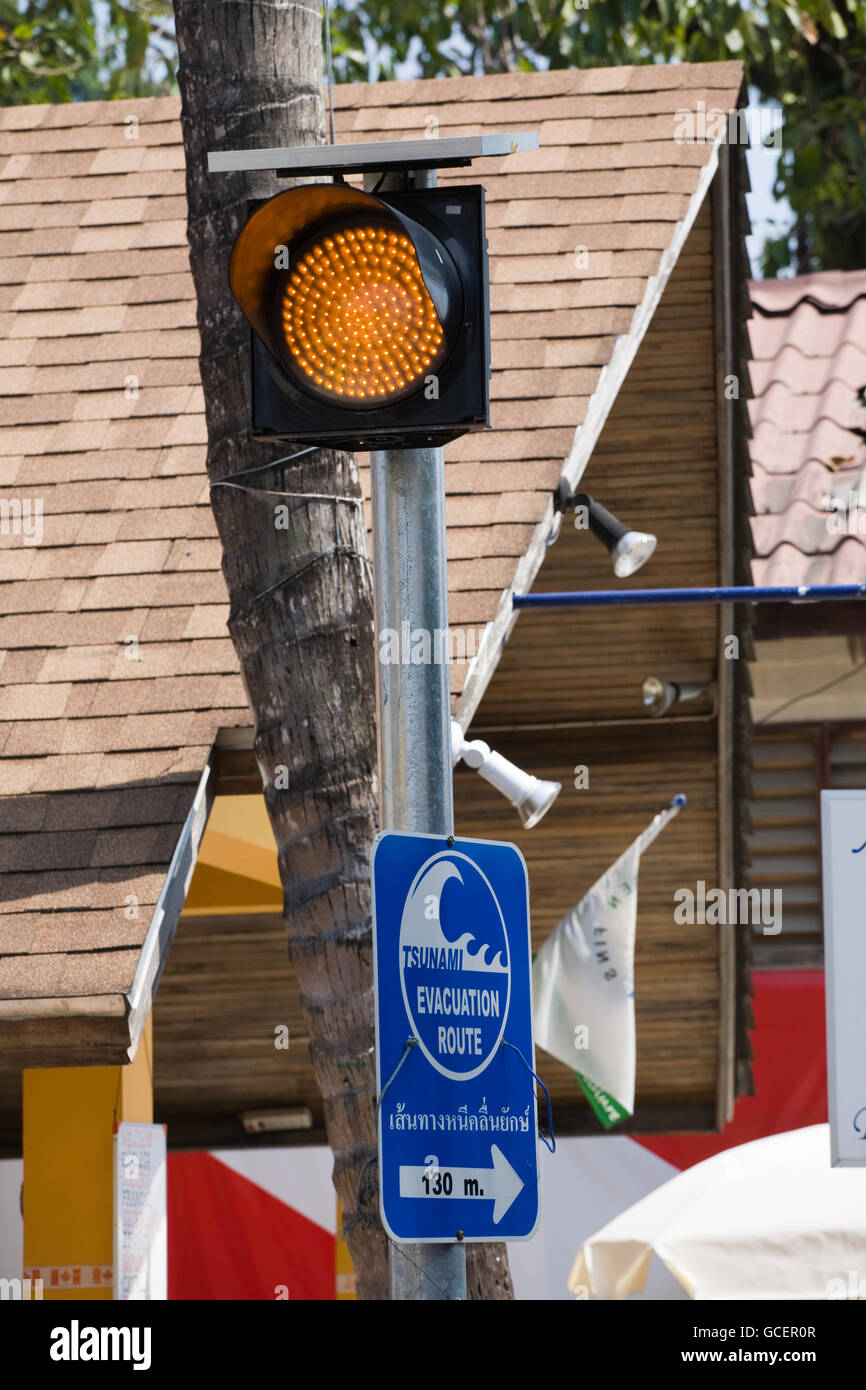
(115, 666)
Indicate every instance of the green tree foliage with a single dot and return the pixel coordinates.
(71, 50)
(43, 48)
(807, 55)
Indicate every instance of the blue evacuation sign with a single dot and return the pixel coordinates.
(458, 1150)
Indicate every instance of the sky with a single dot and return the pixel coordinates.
(769, 216)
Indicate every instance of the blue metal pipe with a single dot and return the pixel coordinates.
(602, 598)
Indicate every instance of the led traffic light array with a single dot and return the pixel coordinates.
(370, 315)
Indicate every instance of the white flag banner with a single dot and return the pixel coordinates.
(583, 983)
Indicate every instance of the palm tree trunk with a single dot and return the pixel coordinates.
(300, 595)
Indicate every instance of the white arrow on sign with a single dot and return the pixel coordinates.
(499, 1184)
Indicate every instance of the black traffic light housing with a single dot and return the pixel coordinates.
(445, 399)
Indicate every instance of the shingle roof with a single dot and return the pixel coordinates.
(117, 671)
(808, 338)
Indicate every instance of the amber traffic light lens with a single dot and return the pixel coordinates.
(358, 320)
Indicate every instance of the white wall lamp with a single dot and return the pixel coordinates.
(628, 549)
(658, 696)
(531, 797)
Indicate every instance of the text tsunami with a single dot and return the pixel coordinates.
(432, 957)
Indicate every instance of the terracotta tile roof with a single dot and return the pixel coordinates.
(116, 667)
(808, 340)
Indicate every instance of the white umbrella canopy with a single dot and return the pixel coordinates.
(770, 1219)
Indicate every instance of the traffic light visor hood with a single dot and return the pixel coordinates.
(358, 303)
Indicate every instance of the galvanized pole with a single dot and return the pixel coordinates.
(410, 588)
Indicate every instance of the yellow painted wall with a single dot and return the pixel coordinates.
(236, 870)
(69, 1119)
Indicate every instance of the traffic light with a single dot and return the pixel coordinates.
(370, 315)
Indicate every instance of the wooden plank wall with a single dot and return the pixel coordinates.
(631, 777)
(227, 985)
(656, 466)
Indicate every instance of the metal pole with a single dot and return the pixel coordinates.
(744, 593)
(410, 588)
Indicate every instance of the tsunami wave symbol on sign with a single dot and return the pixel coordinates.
(455, 969)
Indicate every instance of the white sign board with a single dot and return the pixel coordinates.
(140, 1234)
(843, 852)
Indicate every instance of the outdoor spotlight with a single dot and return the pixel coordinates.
(628, 549)
(531, 797)
(658, 696)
